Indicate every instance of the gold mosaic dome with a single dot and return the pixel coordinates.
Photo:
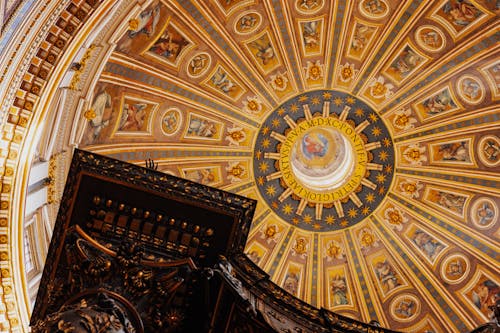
(368, 132)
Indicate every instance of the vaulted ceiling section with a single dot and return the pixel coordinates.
(367, 130)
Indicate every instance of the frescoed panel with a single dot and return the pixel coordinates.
(429, 246)
(202, 128)
(293, 279)
(460, 16)
(210, 175)
(436, 104)
(135, 116)
(311, 36)
(362, 36)
(484, 213)
(488, 150)
(374, 9)
(406, 62)
(263, 50)
(492, 74)
(470, 89)
(455, 268)
(449, 201)
(405, 308)
(144, 29)
(222, 82)
(99, 115)
(247, 22)
(430, 38)
(256, 252)
(454, 152)
(388, 278)
(481, 293)
(171, 121)
(339, 289)
(170, 46)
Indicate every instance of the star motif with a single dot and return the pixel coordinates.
(365, 210)
(294, 108)
(265, 130)
(307, 219)
(344, 223)
(381, 190)
(260, 180)
(373, 117)
(295, 220)
(303, 98)
(281, 111)
(327, 95)
(380, 178)
(287, 209)
(265, 143)
(263, 166)
(316, 226)
(386, 142)
(388, 168)
(258, 154)
(383, 155)
(370, 197)
(337, 101)
(376, 131)
(352, 212)
(330, 220)
(270, 190)
(359, 112)
(315, 100)
(350, 100)
(276, 122)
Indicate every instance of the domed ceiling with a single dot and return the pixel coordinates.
(367, 130)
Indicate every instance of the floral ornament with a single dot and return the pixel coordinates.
(90, 114)
(367, 238)
(235, 135)
(314, 71)
(380, 89)
(410, 188)
(271, 233)
(252, 105)
(395, 218)
(414, 154)
(300, 247)
(347, 72)
(236, 171)
(279, 81)
(334, 250)
(403, 119)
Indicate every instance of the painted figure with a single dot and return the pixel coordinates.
(291, 283)
(429, 246)
(386, 275)
(338, 287)
(221, 80)
(202, 128)
(145, 23)
(485, 213)
(439, 103)
(102, 101)
(486, 295)
(310, 34)
(133, 116)
(457, 151)
(461, 12)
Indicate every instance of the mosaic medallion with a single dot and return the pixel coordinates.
(323, 160)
